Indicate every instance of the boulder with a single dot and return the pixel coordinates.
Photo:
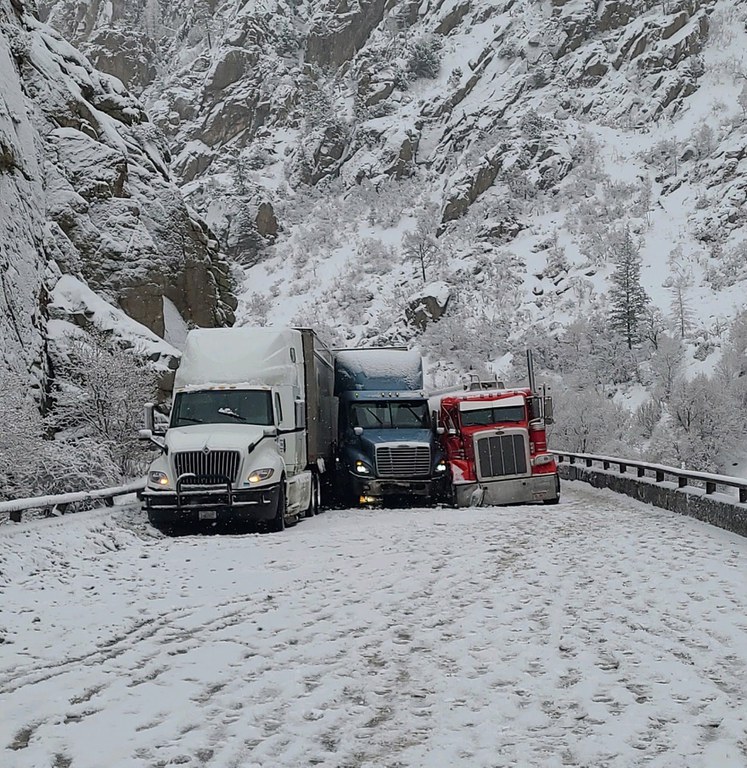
(428, 305)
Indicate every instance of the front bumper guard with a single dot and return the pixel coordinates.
(194, 494)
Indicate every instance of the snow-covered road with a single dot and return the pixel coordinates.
(596, 633)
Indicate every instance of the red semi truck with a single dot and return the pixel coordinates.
(496, 445)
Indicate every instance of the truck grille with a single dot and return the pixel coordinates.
(403, 460)
(501, 455)
(214, 464)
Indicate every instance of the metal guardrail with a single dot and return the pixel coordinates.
(59, 503)
(660, 472)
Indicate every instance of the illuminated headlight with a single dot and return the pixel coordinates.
(441, 466)
(361, 468)
(260, 475)
(158, 478)
(543, 458)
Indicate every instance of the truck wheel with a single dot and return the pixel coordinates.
(556, 500)
(277, 523)
(318, 486)
(309, 511)
(316, 491)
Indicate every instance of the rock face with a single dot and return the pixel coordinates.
(22, 218)
(86, 185)
(487, 110)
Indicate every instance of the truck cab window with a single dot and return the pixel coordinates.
(221, 406)
(278, 407)
(484, 417)
(390, 415)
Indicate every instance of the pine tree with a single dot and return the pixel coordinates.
(628, 300)
(680, 280)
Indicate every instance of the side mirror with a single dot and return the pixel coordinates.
(148, 409)
(440, 430)
(300, 414)
(358, 431)
(269, 431)
(147, 434)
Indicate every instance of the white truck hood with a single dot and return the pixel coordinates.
(216, 437)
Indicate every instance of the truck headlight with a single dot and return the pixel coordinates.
(543, 458)
(361, 468)
(441, 466)
(260, 475)
(158, 478)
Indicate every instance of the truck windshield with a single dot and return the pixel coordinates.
(222, 406)
(483, 417)
(390, 415)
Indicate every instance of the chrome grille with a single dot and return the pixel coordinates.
(501, 455)
(215, 464)
(403, 460)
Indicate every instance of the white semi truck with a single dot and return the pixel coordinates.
(251, 430)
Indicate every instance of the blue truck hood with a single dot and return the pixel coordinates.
(379, 436)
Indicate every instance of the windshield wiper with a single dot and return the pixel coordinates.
(228, 412)
(381, 421)
(190, 419)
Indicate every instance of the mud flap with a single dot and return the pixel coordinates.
(477, 497)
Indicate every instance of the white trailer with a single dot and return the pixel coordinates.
(250, 433)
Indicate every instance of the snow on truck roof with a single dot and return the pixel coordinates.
(246, 355)
(378, 369)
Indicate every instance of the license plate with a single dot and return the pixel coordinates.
(207, 514)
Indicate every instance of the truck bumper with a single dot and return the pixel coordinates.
(426, 488)
(499, 492)
(220, 505)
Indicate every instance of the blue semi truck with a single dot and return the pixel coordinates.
(387, 445)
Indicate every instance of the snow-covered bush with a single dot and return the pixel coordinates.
(588, 421)
(424, 59)
(98, 397)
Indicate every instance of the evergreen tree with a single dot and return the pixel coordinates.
(628, 300)
(678, 282)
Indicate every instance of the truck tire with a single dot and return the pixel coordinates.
(277, 524)
(318, 486)
(315, 496)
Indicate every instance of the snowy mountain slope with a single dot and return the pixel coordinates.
(310, 134)
(375, 166)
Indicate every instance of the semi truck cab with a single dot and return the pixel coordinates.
(387, 446)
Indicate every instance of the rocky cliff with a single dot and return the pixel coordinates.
(86, 190)
(313, 135)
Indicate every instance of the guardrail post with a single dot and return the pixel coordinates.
(606, 464)
(743, 495)
(659, 476)
(15, 517)
(681, 482)
(623, 468)
(572, 459)
(589, 462)
(109, 501)
(710, 487)
(641, 472)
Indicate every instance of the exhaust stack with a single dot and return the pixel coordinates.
(530, 372)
